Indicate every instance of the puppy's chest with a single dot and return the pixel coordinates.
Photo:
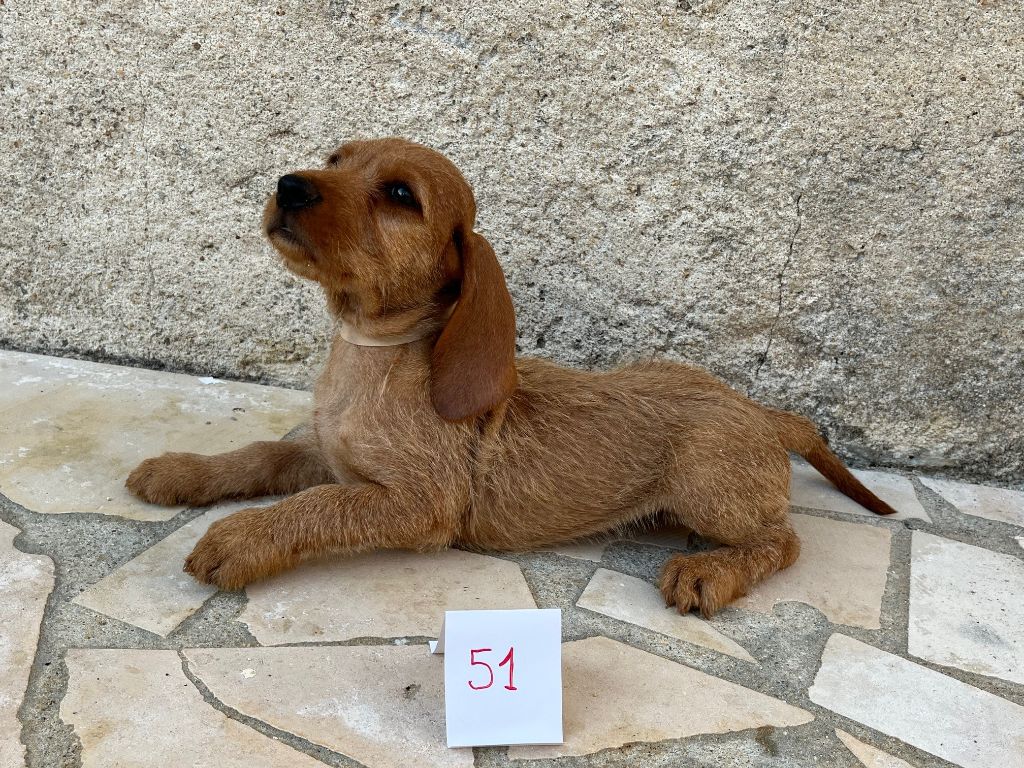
(335, 419)
(356, 401)
(340, 402)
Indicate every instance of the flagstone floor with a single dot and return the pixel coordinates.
(892, 642)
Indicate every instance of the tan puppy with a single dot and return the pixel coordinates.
(428, 432)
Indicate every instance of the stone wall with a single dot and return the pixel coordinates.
(822, 205)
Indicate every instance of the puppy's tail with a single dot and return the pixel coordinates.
(799, 435)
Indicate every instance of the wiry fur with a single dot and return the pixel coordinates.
(450, 441)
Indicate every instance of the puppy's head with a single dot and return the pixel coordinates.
(386, 227)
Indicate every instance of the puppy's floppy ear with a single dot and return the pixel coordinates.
(473, 364)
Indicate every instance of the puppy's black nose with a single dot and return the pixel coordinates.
(294, 193)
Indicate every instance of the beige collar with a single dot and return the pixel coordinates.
(353, 335)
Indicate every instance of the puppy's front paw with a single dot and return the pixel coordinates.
(174, 478)
(239, 550)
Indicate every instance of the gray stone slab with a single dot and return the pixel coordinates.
(615, 694)
(1001, 504)
(809, 489)
(842, 571)
(870, 757)
(137, 709)
(25, 584)
(966, 607)
(380, 705)
(638, 602)
(79, 428)
(955, 721)
(380, 594)
(152, 590)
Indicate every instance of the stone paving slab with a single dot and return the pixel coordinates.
(809, 489)
(841, 571)
(811, 668)
(939, 714)
(25, 584)
(615, 694)
(382, 594)
(870, 757)
(639, 602)
(136, 709)
(152, 591)
(82, 427)
(381, 705)
(966, 607)
(589, 551)
(1001, 504)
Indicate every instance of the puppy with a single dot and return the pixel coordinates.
(428, 432)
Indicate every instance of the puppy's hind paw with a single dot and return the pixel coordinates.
(701, 582)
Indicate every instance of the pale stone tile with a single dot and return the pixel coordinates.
(380, 705)
(966, 609)
(592, 551)
(25, 583)
(152, 591)
(137, 709)
(870, 757)
(841, 571)
(630, 599)
(981, 500)
(809, 489)
(616, 694)
(380, 594)
(82, 427)
(924, 708)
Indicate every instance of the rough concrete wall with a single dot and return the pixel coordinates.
(820, 204)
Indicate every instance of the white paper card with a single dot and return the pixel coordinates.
(502, 677)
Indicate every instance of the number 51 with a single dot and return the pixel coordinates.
(509, 659)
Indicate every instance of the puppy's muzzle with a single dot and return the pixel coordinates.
(295, 193)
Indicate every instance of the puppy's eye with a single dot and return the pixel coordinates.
(401, 194)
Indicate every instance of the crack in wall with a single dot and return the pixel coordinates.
(337, 8)
(701, 7)
(782, 290)
(427, 24)
(147, 211)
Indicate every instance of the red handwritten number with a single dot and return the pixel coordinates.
(511, 661)
(475, 663)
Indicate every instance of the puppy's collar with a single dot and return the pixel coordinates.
(353, 335)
